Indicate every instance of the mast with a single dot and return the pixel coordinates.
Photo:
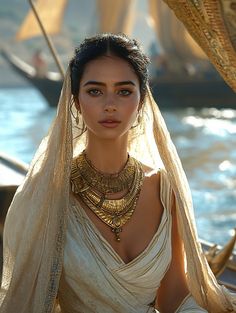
(48, 22)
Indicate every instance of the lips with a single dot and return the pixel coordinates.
(110, 123)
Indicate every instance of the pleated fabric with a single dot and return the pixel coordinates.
(96, 279)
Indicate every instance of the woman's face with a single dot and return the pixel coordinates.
(109, 97)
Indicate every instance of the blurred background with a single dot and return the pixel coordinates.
(199, 108)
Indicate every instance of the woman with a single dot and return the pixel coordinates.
(97, 224)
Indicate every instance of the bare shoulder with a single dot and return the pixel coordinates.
(150, 197)
(153, 183)
(152, 177)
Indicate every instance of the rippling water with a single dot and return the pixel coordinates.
(205, 140)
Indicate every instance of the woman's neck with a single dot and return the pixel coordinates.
(107, 156)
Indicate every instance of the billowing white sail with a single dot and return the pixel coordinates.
(177, 44)
(116, 16)
(51, 14)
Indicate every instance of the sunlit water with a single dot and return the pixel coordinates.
(205, 140)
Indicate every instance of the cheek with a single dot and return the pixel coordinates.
(132, 106)
(87, 106)
(131, 110)
(89, 114)
(85, 109)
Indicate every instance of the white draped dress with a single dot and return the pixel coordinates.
(96, 280)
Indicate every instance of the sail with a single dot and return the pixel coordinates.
(116, 16)
(212, 25)
(51, 13)
(172, 35)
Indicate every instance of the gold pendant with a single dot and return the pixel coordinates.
(117, 232)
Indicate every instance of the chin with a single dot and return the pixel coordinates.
(109, 134)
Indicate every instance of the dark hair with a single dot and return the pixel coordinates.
(103, 44)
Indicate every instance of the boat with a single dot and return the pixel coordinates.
(197, 92)
(12, 173)
(49, 86)
(168, 92)
(181, 75)
(222, 260)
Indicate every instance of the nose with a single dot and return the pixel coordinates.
(110, 105)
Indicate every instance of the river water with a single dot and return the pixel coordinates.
(205, 140)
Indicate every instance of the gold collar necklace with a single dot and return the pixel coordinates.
(94, 189)
(105, 183)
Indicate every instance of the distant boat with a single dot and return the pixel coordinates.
(175, 86)
(184, 76)
(168, 91)
(172, 93)
(49, 86)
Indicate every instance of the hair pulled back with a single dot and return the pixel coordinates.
(109, 44)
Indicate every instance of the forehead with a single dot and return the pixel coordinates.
(110, 68)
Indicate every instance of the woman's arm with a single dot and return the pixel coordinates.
(173, 287)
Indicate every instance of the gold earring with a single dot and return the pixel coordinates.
(77, 117)
(139, 118)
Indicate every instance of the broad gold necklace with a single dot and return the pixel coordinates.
(94, 189)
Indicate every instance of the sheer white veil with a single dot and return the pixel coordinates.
(37, 219)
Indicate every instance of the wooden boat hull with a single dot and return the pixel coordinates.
(12, 173)
(49, 86)
(169, 91)
(228, 276)
(192, 92)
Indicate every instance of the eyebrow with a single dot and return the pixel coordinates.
(93, 82)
